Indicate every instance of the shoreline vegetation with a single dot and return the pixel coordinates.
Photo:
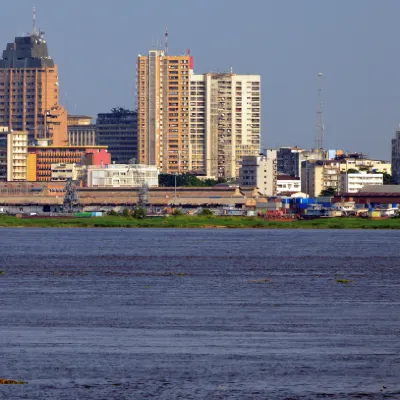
(198, 222)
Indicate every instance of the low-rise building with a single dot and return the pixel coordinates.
(352, 183)
(65, 172)
(261, 172)
(364, 164)
(122, 175)
(288, 184)
(48, 155)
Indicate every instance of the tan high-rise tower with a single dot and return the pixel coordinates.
(163, 91)
(29, 93)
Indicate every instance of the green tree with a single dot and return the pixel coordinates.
(353, 171)
(126, 212)
(206, 212)
(177, 212)
(112, 213)
(329, 192)
(139, 213)
(387, 179)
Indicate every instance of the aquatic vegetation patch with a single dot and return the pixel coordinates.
(260, 281)
(344, 281)
(11, 382)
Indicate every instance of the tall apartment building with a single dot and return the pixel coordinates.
(163, 90)
(319, 175)
(225, 122)
(81, 131)
(13, 156)
(29, 91)
(118, 131)
(260, 171)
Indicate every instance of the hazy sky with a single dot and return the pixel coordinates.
(355, 43)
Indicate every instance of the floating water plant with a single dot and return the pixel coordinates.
(344, 281)
(260, 281)
(2, 272)
(11, 382)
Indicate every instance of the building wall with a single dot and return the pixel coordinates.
(163, 111)
(64, 172)
(29, 91)
(288, 185)
(99, 157)
(225, 114)
(116, 175)
(118, 131)
(31, 161)
(260, 171)
(17, 153)
(288, 161)
(82, 135)
(319, 175)
(79, 120)
(47, 155)
(352, 183)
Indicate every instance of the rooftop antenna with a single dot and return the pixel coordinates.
(166, 40)
(34, 20)
(319, 139)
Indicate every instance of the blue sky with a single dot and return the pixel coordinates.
(353, 42)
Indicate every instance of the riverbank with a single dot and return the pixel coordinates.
(198, 222)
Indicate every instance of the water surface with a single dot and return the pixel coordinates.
(200, 314)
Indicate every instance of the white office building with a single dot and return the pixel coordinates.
(122, 175)
(352, 183)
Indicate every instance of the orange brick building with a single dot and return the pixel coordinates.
(47, 155)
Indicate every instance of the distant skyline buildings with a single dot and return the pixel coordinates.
(289, 90)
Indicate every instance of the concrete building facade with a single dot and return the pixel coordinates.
(13, 155)
(81, 131)
(396, 158)
(64, 172)
(288, 184)
(261, 172)
(225, 122)
(117, 175)
(319, 175)
(352, 183)
(163, 110)
(118, 131)
(29, 91)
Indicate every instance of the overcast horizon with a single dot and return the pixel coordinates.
(288, 42)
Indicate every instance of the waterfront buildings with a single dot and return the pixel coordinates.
(119, 131)
(163, 86)
(353, 182)
(29, 91)
(13, 155)
(225, 122)
(288, 184)
(125, 175)
(65, 172)
(45, 156)
(260, 171)
(81, 131)
(319, 175)
(290, 158)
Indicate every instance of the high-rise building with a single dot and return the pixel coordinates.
(29, 90)
(163, 90)
(118, 131)
(260, 171)
(396, 158)
(81, 131)
(225, 122)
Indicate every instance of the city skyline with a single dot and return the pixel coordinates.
(288, 43)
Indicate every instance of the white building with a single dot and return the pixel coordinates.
(64, 172)
(260, 171)
(13, 155)
(225, 122)
(122, 175)
(352, 183)
(288, 184)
